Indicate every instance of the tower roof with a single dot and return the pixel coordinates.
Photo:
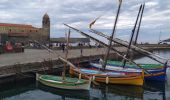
(45, 15)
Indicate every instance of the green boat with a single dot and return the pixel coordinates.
(68, 83)
(145, 66)
(63, 82)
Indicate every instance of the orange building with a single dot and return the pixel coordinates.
(24, 33)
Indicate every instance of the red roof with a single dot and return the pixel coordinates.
(16, 25)
(22, 34)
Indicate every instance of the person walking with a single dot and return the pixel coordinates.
(63, 47)
(81, 49)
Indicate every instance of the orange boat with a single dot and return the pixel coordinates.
(109, 77)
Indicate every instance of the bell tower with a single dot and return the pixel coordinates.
(46, 27)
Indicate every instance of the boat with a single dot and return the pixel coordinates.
(68, 83)
(110, 77)
(63, 82)
(155, 74)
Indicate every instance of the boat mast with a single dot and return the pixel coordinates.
(137, 33)
(66, 55)
(133, 47)
(110, 43)
(133, 31)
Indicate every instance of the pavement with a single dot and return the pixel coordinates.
(38, 55)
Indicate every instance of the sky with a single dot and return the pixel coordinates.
(155, 24)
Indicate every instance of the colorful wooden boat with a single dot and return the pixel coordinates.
(109, 77)
(155, 74)
(63, 82)
(68, 83)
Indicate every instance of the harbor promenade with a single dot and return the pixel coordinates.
(39, 55)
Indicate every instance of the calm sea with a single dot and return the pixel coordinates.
(30, 90)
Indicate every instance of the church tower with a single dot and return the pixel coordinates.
(46, 28)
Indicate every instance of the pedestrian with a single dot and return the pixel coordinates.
(96, 45)
(81, 49)
(63, 47)
(22, 47)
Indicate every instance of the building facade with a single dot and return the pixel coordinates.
(24, 33)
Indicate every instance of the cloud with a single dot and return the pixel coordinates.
(151, 4)
(80, 13)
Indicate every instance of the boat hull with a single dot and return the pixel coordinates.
(137, 80)
(159, 75)
(75, 85)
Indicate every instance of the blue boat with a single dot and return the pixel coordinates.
(156, 75)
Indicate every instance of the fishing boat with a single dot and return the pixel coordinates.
(156, 74)
(152, 74)
(149, 76)
(68, 83)
(64, 82)
(110, 77)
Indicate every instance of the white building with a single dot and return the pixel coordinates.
(167, 41)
